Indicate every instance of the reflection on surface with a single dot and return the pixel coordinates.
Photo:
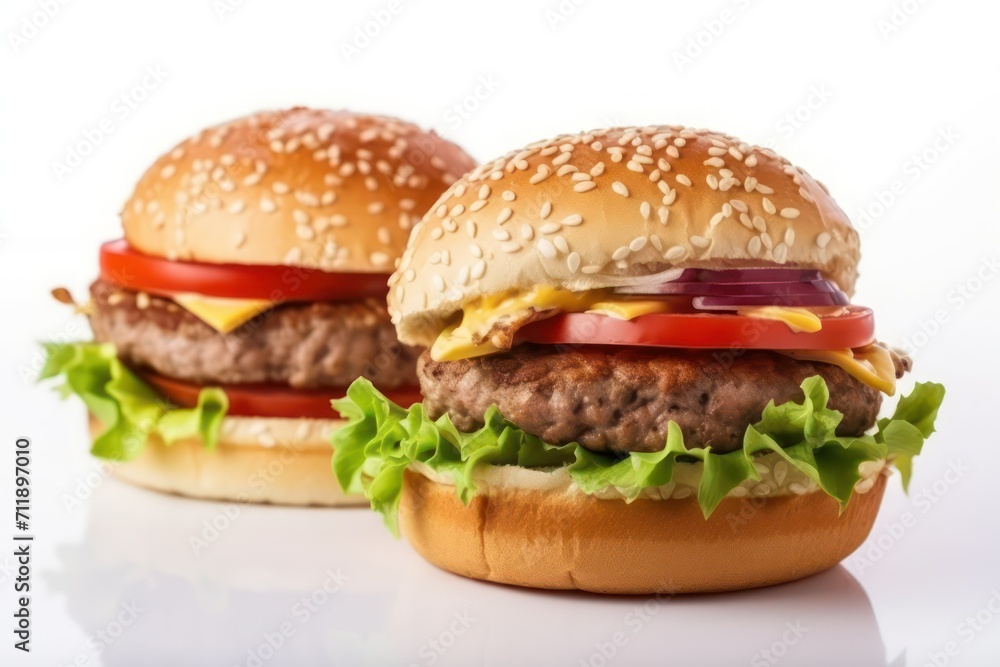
(280, 586)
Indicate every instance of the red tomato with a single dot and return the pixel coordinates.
(125, 266)
(271, 400)
(856, 328)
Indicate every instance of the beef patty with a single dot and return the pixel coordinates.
(320, 344)
(620, 399)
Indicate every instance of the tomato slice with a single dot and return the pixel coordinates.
(855, 328)
(123, 265)
(271, 400)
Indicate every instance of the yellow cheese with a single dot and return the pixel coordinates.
(797, 319)
(871, 364)
(455, 342)
(223, 315)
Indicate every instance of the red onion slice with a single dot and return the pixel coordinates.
(791, 301)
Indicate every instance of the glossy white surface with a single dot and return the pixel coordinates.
(879, 102)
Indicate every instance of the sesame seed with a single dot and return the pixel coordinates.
(561, 244)
(237, 206)
(550, 228)
(664, 213)
(715, 162)
(239, 239)
(442, 210)
(739, 205)
(572, 220)
(675, 253)
(475, 250)
(504, 215)
(699, 241)
(759, 224)
(582, 176)
(637, 244)
(279, 187)
(561, 159)
(510, 246)
(769, 206)
(484, 192)
(463, 276)
(477, 205)
(683, 180)
(789, 213)
(478, 270)
(597, 169)
(168, 171)
(508, 195)
(438, 283)
(823, 239)
(573, 262)
(545, 210)
(713, 181)
(754, 246)
(585, 185)
(566, 169)
(458, 209)
(715, 151)
(621, 253)
(780, 253)
(634, 166)
(527, 231)
(267, 205)
(620, 188)
(545, 247)
(338, 220)
(716, 219)
(437, 233)
(384, 237)
(673, 152)
(471, 228)
(501, 234)
(789, 236)
(669, 198)
(751, 161)
(305, 232)
(376, 207)
(300, 217)
(766, 240)
(763, 189)
(727, 209)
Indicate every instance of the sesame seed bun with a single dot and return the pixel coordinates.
(582, 211)
(257, 459)
(533, 537)
(323, 189)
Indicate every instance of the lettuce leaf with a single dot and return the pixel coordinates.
(128, 408)
(382, 439)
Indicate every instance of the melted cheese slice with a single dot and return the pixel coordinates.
(455, 342)
(797, 319)
(871, 365)
(223, 315)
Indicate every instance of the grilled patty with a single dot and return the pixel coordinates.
(621, 399)
(321, 344)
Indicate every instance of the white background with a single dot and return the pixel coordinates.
(870, 96)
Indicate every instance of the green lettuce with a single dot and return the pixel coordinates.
(382, 439)
(129, 409)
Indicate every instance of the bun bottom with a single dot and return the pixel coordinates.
(539, 539)
(258, 460)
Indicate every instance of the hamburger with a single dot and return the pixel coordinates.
(248, 290)
(644, 373)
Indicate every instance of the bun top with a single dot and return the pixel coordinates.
(583, 211)
(332, 190)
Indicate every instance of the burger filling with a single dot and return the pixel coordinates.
(623, 399)
(303, 345)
